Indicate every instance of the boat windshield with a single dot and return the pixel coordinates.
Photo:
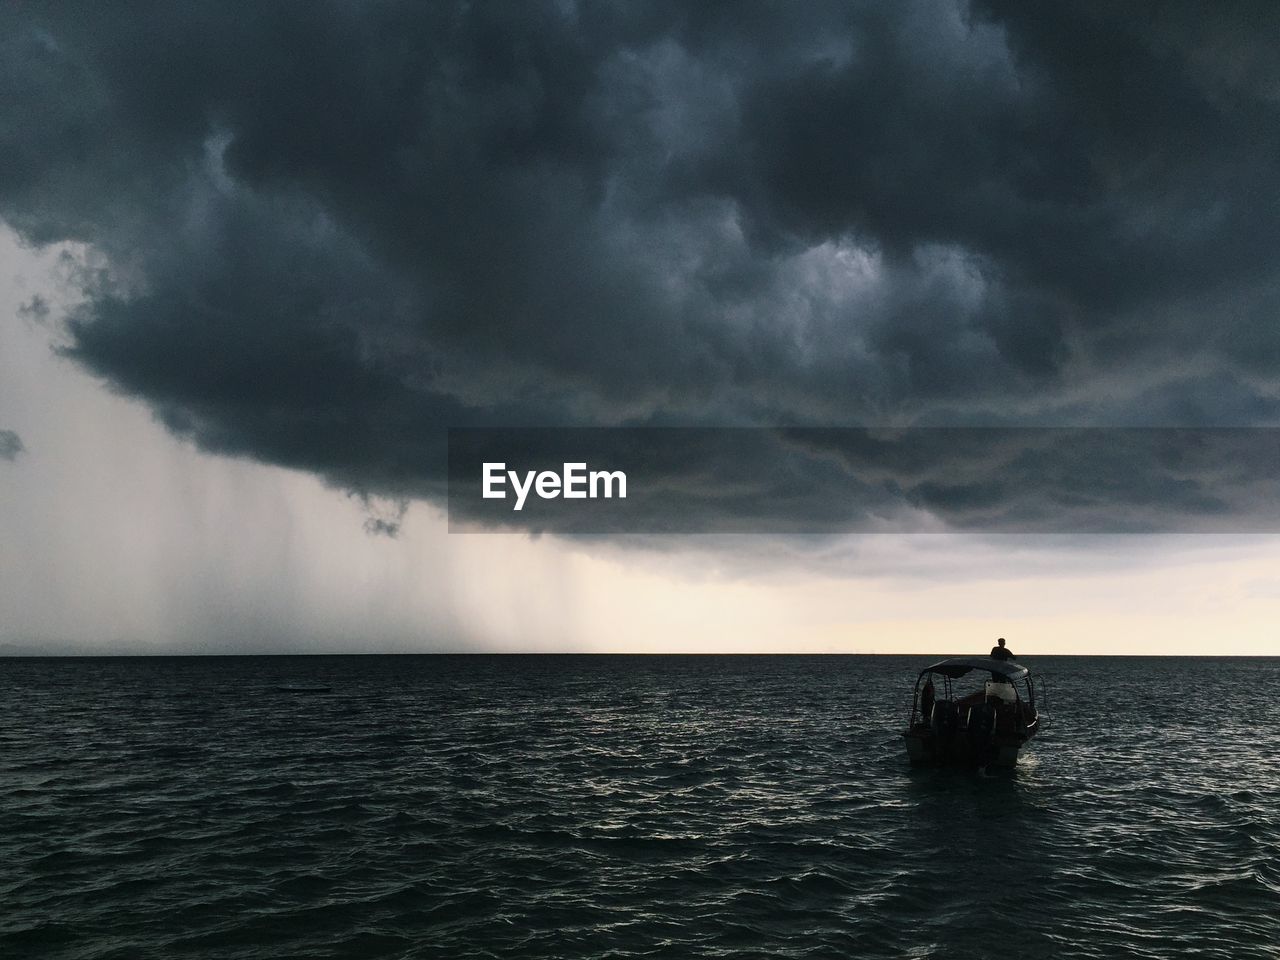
(963, 686)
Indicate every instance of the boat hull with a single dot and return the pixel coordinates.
(925, 749)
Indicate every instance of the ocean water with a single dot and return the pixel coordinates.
(609, 807)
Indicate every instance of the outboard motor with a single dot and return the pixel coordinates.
(982, 728)
(944, 719)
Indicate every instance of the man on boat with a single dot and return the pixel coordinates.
(1000, 651)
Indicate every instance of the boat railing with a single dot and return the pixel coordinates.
(1041, 688)
(913, 711)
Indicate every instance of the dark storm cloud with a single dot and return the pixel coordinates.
(10, 445)
(383, 518)
(333, 231)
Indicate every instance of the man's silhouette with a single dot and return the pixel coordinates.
(1000, 651)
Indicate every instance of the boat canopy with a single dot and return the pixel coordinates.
(958, 666)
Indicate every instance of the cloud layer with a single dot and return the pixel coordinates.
(320, 238)
(10, 445)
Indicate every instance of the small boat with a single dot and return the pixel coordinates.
(302, 688)
(982, 723)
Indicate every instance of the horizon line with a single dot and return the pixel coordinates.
(607, 653)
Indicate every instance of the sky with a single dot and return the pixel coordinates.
(255, 262)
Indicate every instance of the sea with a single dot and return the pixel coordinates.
(626, 806)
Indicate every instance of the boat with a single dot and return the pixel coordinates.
(303, 688)
(983, 722)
